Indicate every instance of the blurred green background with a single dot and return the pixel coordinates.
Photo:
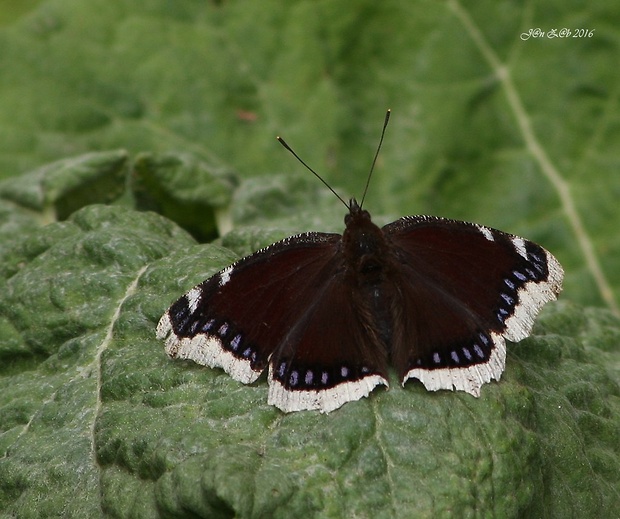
(516, 134)
(174, 106)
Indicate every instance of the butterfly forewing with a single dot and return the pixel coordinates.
(237, 318)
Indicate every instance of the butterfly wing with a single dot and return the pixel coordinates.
(236, 319)
(279, 302)
(463, 290)
(328, 357)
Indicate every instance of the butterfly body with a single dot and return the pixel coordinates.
(329, 314)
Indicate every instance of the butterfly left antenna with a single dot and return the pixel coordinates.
(374, 161)
(283, 142)
(372, 167)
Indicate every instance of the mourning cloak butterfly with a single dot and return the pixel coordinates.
(328, 313)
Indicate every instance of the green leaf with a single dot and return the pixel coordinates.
(519, 135)
(56, 190)
(95, 416)
(183, 189)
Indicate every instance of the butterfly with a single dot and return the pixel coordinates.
(328, 315)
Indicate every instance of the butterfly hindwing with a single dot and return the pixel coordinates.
(327, 358)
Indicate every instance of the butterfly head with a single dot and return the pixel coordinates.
(356, 213)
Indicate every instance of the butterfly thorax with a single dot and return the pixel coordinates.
(367, 265)
(364, 246)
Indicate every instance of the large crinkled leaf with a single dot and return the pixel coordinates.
(161, 183)
(50, 193)
(57, 316)
(96, 419)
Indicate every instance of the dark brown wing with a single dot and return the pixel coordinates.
(328, 357)
(463, 290)
(288, 303)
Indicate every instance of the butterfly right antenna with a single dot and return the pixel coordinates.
(374, 161)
